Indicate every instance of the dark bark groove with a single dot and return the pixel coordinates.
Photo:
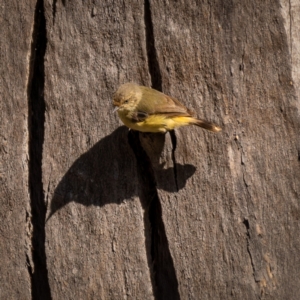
(164, 280)
(36, 118)
(153, 65)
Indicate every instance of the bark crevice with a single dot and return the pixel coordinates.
(54, 11)
(153, 64)
(174, 145)
(247, 225)
(163, 277)
(36, 118)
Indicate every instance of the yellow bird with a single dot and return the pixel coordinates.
(148, 110)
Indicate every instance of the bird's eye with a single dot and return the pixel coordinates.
(126, 101)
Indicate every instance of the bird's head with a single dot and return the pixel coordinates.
(127, 97)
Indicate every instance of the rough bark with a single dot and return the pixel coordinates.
(244, 196)
(90, 210)
(95, 234)
(17, 27)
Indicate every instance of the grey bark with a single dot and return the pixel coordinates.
(16, 22)
(90, 210)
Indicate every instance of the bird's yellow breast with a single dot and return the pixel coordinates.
(155, 123)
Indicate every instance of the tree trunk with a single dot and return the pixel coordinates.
(91, 210)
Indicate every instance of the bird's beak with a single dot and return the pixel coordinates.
(116, 105)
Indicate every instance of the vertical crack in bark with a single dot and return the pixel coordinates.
(247, 225)
(163, 277)
(153, 65)
(246, 221)
(291, 21)
(54, 11)
(29, 266)
(174, 144)
(240, 147)
(164, 281)
(36, 118)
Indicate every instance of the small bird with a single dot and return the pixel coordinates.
(148, 110)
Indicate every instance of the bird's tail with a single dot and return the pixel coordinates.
(206, 125)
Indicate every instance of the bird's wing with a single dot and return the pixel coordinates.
(138, 116)
(155, 102)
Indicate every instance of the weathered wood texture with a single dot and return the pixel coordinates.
(16, 22)
(233, 228)
(290, 10)
(95, 237)
(90, 210)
